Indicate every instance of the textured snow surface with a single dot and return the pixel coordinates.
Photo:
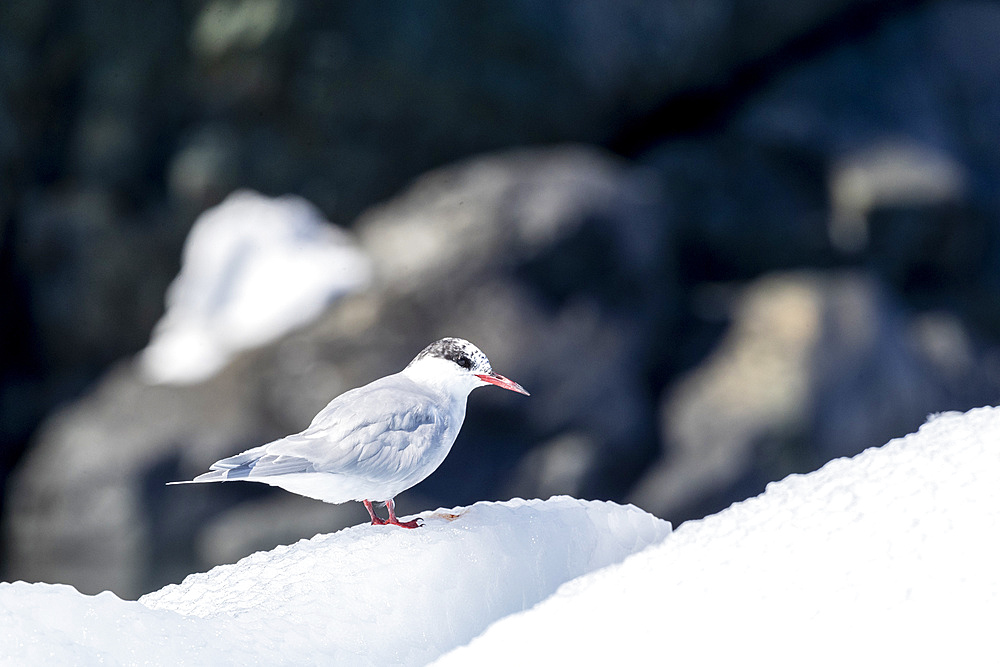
(253, 268)
(46, 624)
(892, 557)
(364, 595)
(887, 558)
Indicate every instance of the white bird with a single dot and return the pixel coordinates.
(373, 442)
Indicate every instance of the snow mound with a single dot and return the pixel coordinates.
(887, 558)
(364, 595)
(253, 268)
(53, 624)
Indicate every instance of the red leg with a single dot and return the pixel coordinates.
(396, 522)
(371, 512)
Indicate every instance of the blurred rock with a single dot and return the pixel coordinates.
(500, 250)
(158, 113)
(891, 174)
(88, 289)
(905, 124)
(824, 141)
(86, 247)
(742, 209)
(814, 366)
(224, 27)
(81, 508)
(204, 169)
(340, 89)
(875, 151)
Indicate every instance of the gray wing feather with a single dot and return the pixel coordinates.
(269, 465)
(253, 463)
(360, 431)
(366, 429)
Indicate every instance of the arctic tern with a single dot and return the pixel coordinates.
(373, 442)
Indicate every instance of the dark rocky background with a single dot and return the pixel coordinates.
(720, 241)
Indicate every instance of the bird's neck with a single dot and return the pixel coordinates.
(430, 375)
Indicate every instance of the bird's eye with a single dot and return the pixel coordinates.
(464, 362)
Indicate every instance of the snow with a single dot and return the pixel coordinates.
(46, 624)
(253, 268)
(364, 595)
(887, 558)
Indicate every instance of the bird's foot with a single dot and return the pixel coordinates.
(376, 521)
(393, 521)
(391, 506)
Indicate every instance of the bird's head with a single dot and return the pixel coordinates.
(457, 364)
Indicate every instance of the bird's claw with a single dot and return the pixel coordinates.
(416, 523)
(392, 520)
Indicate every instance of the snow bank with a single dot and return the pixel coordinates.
(253, 268)
(364, 595)
(887, 558)
(46, 624)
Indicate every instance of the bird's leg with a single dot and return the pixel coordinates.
(396, 522)
(371, 512)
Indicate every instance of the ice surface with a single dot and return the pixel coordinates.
(364, 595)
(46, 624)
(253, 268)
(887, 558)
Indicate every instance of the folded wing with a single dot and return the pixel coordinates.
(361, 434)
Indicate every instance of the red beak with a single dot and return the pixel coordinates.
(501, 381)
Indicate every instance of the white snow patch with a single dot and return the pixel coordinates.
(53, 624)
(364, 595)
(887, 558)
(253, 268)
